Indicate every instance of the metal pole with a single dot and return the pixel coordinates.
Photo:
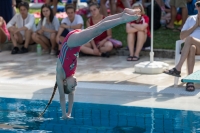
(152, 22)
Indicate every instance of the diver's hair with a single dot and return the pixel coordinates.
(54, 91)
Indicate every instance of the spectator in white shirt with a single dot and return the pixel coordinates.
(71, 22)
(46, 30)
(189, 33)
(21, 27)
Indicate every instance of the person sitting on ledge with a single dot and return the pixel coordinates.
(100, 45)
(21, 27)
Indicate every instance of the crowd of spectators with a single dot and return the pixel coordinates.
(50, 33)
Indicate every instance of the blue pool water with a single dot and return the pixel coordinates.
(19, 115)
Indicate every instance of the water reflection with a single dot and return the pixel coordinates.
(22, 115)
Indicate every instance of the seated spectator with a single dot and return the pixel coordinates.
(71, 22)
(189, 33)
(100, 45)
(122, 4)
(46, 31)
(138, 34)
(4, 34)
(21, 27)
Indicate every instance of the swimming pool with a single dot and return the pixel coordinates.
(20, 115)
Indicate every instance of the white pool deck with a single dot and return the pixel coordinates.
(100, 80)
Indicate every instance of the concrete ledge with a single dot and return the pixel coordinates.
(161, 53)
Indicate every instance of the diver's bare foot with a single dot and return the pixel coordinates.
(127, 17)
(67, 116)
(132, 11)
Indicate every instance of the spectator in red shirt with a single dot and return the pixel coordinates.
(138, 34)
(100, 45)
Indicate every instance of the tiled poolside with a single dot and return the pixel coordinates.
(106, 81)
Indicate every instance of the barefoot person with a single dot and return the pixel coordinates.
(67, 59)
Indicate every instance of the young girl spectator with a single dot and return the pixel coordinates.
(21, 27)
(47, 31)
(4, 34)
(138, 34)
(100, 45)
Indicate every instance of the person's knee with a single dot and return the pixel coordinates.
(109, 46)
(141, 33)
(188, 40)
(53, 36)
(34, 36)
(28, 31)
(192, 50)
(82, 48)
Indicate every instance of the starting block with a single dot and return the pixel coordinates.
(194, 77)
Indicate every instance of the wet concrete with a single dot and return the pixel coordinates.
(100, 80)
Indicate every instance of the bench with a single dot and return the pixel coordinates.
(194, 77)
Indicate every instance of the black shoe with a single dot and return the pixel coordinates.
(105, 55)
(15, 50)
(23, 50)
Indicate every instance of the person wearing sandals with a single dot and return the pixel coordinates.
(191, 34)
(21, 27)
(4, 34)
(138, 34)
(47, 31)
(100, 45)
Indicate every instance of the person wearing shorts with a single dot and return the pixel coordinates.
(174, 5)
(71, 22)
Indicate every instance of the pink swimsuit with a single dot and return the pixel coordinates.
(68, 56)
(5, 30)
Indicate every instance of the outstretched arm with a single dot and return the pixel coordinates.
(80, 38)
(59, 79)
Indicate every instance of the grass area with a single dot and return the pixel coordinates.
(163, 39)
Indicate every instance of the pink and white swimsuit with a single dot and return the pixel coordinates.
(68, 56)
